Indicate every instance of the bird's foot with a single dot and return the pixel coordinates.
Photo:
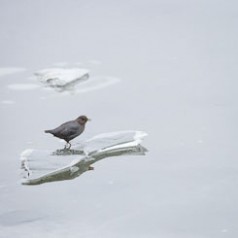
(66, 147)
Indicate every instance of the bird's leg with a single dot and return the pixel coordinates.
(65, 147)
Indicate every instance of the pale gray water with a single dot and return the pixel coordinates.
(177, 65)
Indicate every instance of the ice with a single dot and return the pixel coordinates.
(112, 140)
(17, 217)
(168, 68)
(97, 82)
(23, 86)
(62, 77)
(10, 70)
(8, 102)
(95, 62)
(60, 64)
(45, 166)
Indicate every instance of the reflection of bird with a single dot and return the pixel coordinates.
(69, 130)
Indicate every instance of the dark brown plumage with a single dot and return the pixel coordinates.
(69, 130)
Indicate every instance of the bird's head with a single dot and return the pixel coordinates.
(82, 120)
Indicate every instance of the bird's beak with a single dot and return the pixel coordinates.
(89, 119)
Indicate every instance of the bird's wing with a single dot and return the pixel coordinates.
(69, 130)
(66, 129)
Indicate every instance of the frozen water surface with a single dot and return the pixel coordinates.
(61, 78)
(10, 70)
(172, 71)
(22, 86)
(8, 102)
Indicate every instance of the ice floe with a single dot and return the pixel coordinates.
(60, 77)
(73, 80)
(64, 80)
(42, 166)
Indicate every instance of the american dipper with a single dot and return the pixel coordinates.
(69, 130)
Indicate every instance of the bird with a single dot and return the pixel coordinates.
(69, 130)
